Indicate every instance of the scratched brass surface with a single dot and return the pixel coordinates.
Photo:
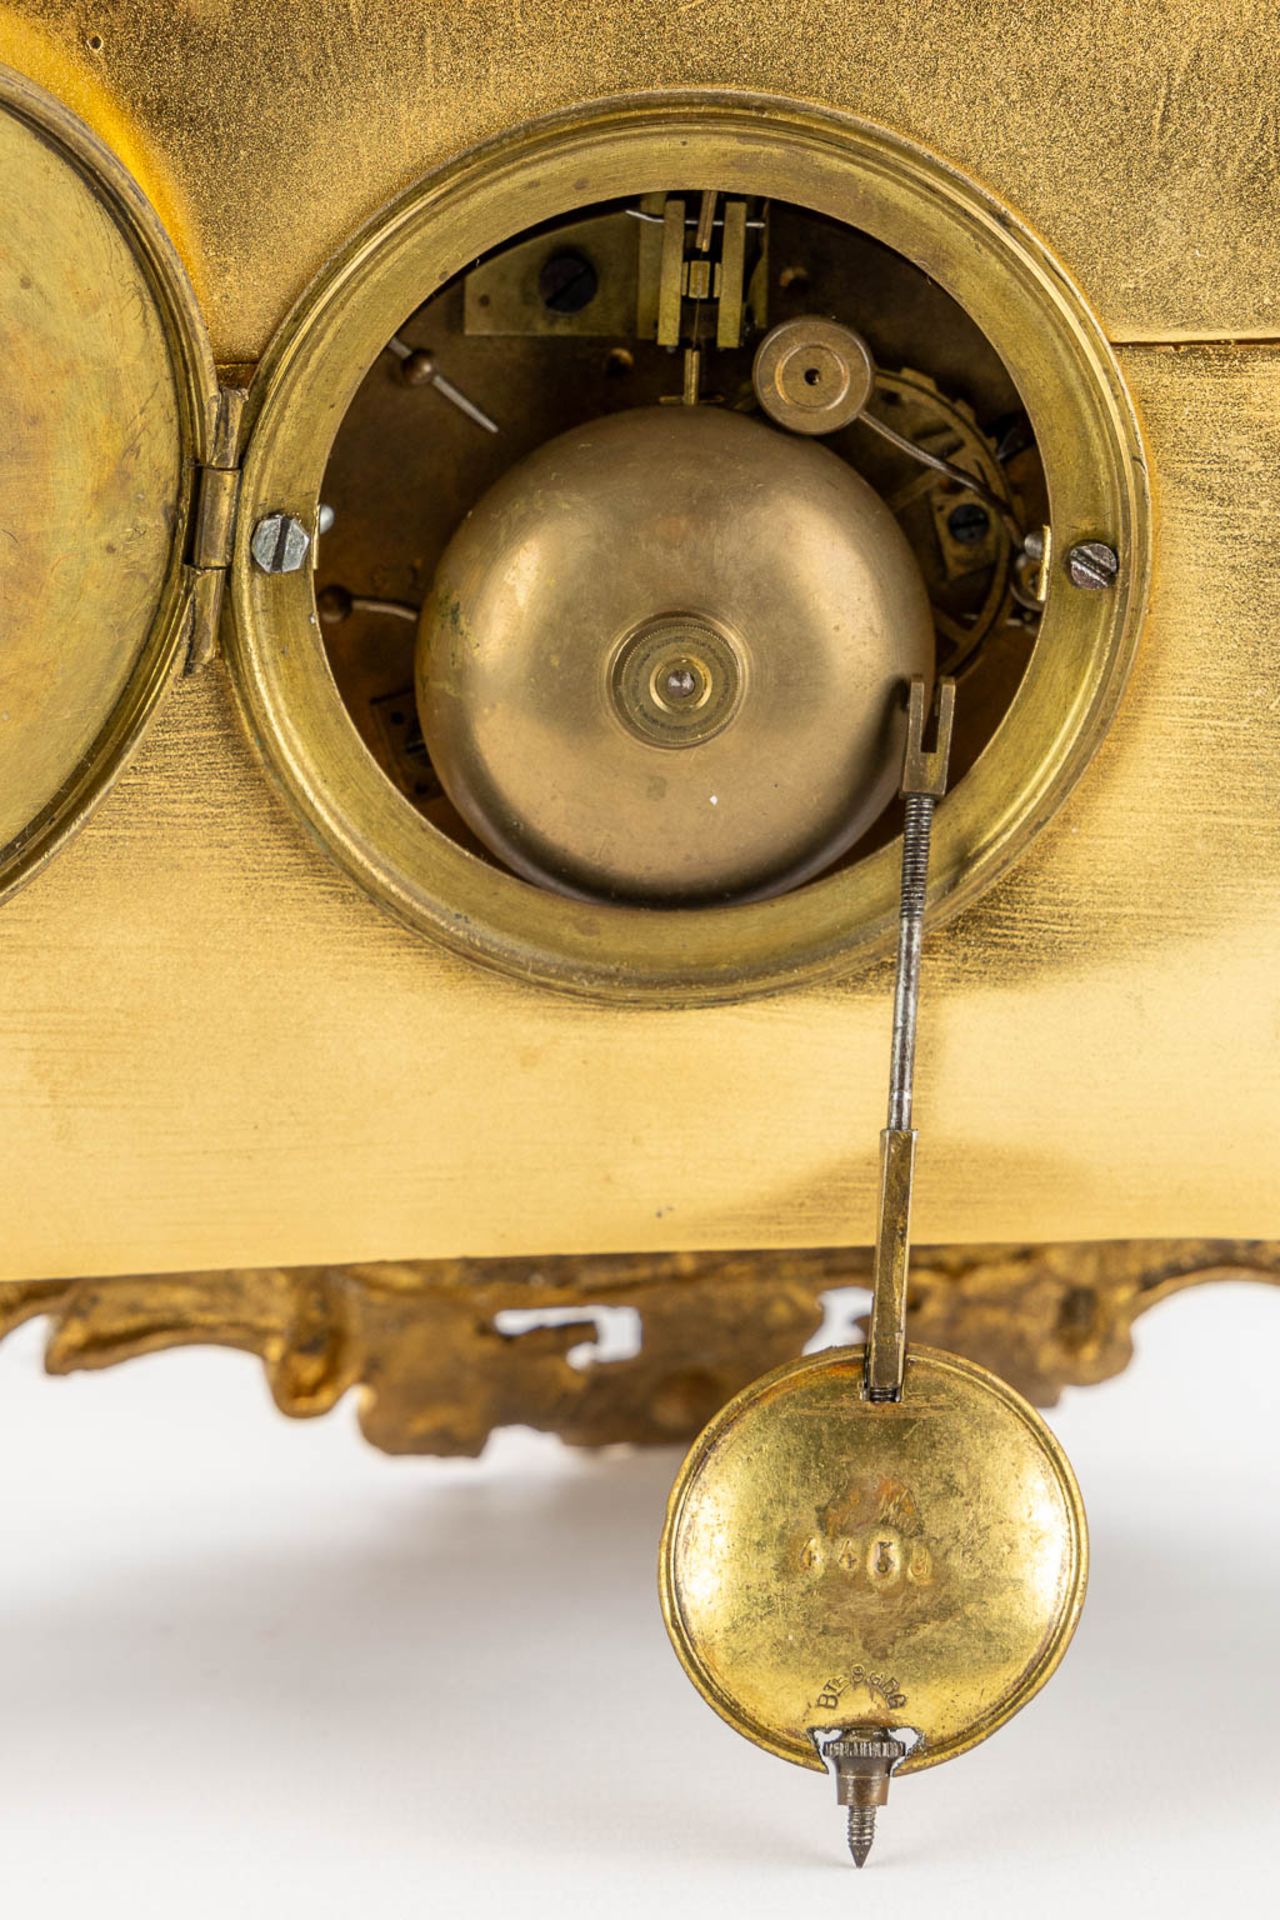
(418, 1344)
(218, 1052)
(1140, 142)
(830, 1560)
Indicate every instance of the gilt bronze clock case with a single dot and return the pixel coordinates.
(351, 1090)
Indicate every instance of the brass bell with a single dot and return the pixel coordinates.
(662, 659)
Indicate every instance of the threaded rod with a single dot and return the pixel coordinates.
(916, 833)
(862, 1833)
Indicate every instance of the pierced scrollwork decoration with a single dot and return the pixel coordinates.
(421, 1340)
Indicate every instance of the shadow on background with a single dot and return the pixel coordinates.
(292, 1631)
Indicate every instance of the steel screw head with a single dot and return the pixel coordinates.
(968, 524)
(1093, 564)
(279, 543)
(567, 282)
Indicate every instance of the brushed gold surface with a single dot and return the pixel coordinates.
(218, 1052)
(828, 1560)
(1139, 143)
(664, 539)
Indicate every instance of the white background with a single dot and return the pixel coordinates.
(250, 1667)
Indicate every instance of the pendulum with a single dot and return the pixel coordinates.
(875, 1555)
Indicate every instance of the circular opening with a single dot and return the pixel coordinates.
(498, 333)
(983, 355)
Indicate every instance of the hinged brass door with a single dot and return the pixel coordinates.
(110, 411)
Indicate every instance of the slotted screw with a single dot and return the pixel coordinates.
(1093, 565)
(279, 543)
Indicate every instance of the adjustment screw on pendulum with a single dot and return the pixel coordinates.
(863, 1764)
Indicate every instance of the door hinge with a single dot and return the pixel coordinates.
(213, 526)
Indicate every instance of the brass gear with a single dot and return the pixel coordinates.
(916, 407)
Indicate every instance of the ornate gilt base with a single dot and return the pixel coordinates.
(420, 1339)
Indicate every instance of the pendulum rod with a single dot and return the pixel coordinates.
(924, 781)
